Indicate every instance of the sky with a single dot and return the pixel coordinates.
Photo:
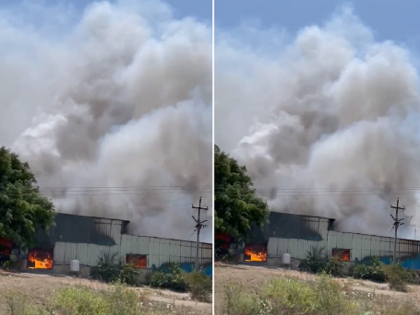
(306, 93)
(200, 10)
(391, 19)
(112, 96)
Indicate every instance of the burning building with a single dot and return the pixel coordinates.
(86, 238)
(298, 234)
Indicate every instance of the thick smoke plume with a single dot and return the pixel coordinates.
(326, 123)
(112, 109)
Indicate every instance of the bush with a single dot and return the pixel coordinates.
(79, 301)
(110, 271)
(397, 277)
(130, 275)
(316, 260)
(107, 269)
(199, 285)
(237, 302)
(374, 271)
(335, 267)
(290, 296)
(174, 279)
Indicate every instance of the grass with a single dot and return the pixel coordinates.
(290, 296)
(81, 300)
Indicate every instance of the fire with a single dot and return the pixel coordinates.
(138, 261)
(40, 260)
(342, 254)
(255, 255)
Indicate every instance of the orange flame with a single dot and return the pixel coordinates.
(138, 261)
(342, 254)
(40, 260)
(255, 255)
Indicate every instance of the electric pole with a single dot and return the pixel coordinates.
(198, 226)
(397, 223)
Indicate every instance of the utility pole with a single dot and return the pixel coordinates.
(198, 226)
(397, 223)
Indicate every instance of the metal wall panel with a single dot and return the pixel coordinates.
(158, 251)
(361, 246)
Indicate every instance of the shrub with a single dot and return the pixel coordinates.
(323, 296)
(123, 301)
(199, 285)
(174, 279)
(316, 260)
(373, 271)
(238, 302)
(110, 271)
(335, 267)
(396, 276)
(107, 269)
(79, 301)
(129, 275)
(16, 303)
(290, 296)
(361, 271)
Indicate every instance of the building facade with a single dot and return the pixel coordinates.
(86, 239)
(298, 234)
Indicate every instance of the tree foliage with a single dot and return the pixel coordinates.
(22, 207)
(236, 205)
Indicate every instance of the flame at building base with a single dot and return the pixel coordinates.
(40, 260)
(255, 253)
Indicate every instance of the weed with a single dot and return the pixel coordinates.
(334, 267)
(397, 277)
(373, 271)
(107, 269)
(199, 285)
(316, 259)
(174, 279)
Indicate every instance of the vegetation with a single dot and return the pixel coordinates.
(371, 271)
(110, 270)
(335, 267)
(118, 300)
(197, 283)
(236, 205)
(316, 260)
(289, 296)
(397, 277)
(174, 279)
(23, 208)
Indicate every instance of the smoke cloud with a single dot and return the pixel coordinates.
(325, 121)
(111, 107)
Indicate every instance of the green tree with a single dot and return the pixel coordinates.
(236, 205)
(22, 207)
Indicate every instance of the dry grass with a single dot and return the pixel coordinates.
(366, 295)
(37, 290)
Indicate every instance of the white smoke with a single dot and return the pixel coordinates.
(117, 98)
(326, 123)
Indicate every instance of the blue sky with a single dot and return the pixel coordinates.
(200, 9)
(390, 20)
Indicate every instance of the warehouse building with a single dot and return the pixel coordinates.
(85, 239)
(298, 234)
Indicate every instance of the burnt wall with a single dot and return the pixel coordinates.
(290, 226)
(78, 229)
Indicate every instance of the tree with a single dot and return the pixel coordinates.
(236, 205)
(22, 207)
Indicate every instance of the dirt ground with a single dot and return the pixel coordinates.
(254, 278)
(38, 288)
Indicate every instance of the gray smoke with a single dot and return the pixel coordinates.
(118, 98)
(326, 123)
